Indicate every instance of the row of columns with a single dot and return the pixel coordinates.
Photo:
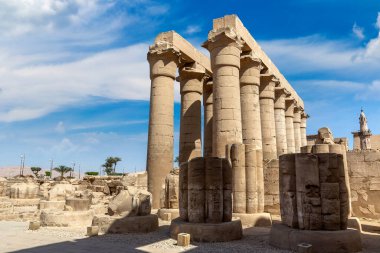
(240, 105)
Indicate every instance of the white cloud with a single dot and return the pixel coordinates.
(191, 29)
(34, 91)
(358, 31)
(67, 146)
(60, 128)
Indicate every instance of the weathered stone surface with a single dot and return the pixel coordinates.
(24, 191)
(325, 136)
(77, 204)
(214, 190)
(183, 191)
(121, 225)
(172, 190)
(51, 218)
(313, 191)
(208, 232)
(239, 178)
(61, 191)
(130, 203)
(196, 190)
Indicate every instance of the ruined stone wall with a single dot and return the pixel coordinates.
(271, 187)
(375, 142)
(364, 171)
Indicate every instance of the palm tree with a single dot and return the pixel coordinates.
(110, 164)
(115, 161)
(35, 170)
(107, 167)
(62, 169)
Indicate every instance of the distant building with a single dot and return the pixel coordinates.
(364, 139)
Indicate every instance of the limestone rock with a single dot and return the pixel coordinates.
(172, 190)
(131, 202)
(61, 192)
(24, 191)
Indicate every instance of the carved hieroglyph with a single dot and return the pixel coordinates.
(314, 191)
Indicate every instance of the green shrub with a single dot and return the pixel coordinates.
(116, 174)
(47, 173)
(92, 173)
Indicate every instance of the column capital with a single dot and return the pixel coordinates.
(251, 60)
(163, 59)
(289, 107)
(223, 37)
(225, 47)
(250, 67)
(304, 115)
(192, 79)
(297, 114)
(280, 95)
(267, 86)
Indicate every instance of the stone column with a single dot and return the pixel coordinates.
(249, 99)
(225, 48)
(304, 118)
(297, 129)
(268, 126)
(279, 114)
(163, 68)
(191, 81)
(289, 116)
(207, 118)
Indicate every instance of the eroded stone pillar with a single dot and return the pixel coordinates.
(163, 67)
(268, 126)
(289, 116)
(207, 118)
(304, 118)
(225, 49)
(249, 99)
(297, 129)
(191, 81)
(279, 114)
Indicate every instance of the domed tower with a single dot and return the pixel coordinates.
(362, 138)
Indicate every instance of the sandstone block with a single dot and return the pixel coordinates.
(183, 240)
(34, 225)
(92, 231)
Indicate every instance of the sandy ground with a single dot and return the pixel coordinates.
(15, 237)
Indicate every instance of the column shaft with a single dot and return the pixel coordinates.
(207, 118)
(191, 81)
(304, 117)
(225, 52)
(297, 129)
(279, 114)
(289, 115)
(163, 67)
(268, 127)
(249, 99)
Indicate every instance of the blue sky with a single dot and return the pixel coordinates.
(74, 81)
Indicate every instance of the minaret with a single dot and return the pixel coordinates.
(364, 133)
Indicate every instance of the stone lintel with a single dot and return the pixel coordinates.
(234, 23)
(189, 54)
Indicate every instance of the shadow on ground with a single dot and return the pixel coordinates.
(255, 240)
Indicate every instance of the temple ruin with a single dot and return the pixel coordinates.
(243, 156)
